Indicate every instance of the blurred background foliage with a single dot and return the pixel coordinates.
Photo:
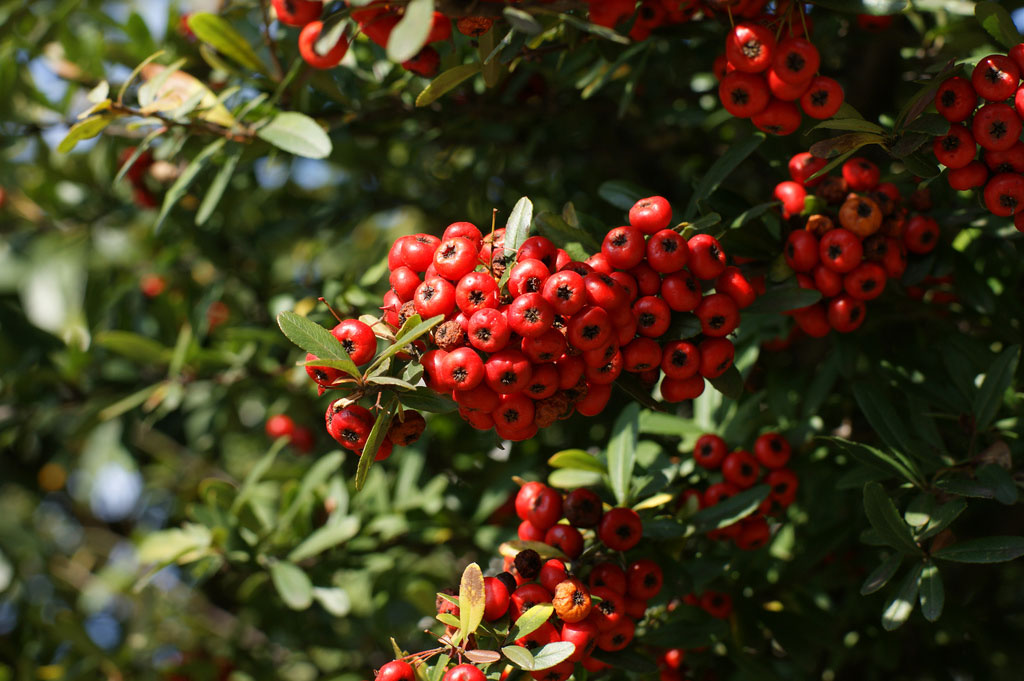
(129, 420)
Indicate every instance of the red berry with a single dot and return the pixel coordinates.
(718, 315)
(525, 597)
(741, 469)
(812, 320)
(796, 60)
(279, 425)
(589, 329)
(349, 426)
(1004, 194)
(481, 398)
(676, 389)
(582, 508)
(653, 316)
(823, 98)
(307, 46)
(530, 315)
(488, 330)
(772, 450)
(527, 530)
(644, 579)
(707, 259)
(553, 572)
(750, 47)
(358, 339)
(623, 247)
(719, 492)
(426, 63)
(462, 369)
(716, 356)
(610, 611)
(603, 291)
(667, 252)
(464, 672)
(754, 533)
(609, 576)
(404, 282)
(435, 296)
(921, 234)
(955, 99)
(845, 313)
(618, 636)
(744, 94)
(861, 175)
(803, 165)
(650, 215)
(596, 399)
(396, 670)
(546, 347)
(418, 251)
(956, 148)
(496, 598)
(507, 371)
(297, 13)
(709, 451)
(641, 354)
(476, 291)
(783, 483)
(840, 250)
(528, 276)
(996, 126)
(995, 77)
(620, 529)
(716, 604)
(732, 283)
(866, 281)
(455, 257)
(539, 248)
(565, 292)
(565, 538)
(467, 230)
(583, 635)
(779, 117)
(680, 360)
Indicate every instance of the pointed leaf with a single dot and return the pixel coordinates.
(721, 169)
(729, 511)
(217, 187)
(292, 584)
(783, 299)
(994, 386)
(997, 22)
(517, 227)
(942, 517)
(996, 478)
(622, 452)
(472, 598)
(576, 459)
(886, 520)
(621, 194)
(899, 608)
(932, 595)
(552, 654)
(218, 33)
(185, 179)
(374, 440)
(881, 575)
(446, 82)
(730, 383)
(983, 550)
(314, 338)
(297, 134)
(411, 32)
(84, 130)
(530, 621)
(325, 538)
(411, 330)
(519, 656)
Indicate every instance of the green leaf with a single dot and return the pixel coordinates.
(998, 23)
(552, 654)
(997, 479)
(599, 31)
(783, 299)
(932, 595)
(886, 520)
(522, 21)
(185, 179)
(84, 130)
(134, 346)
(920, 165)
(411, 330)
(375, 439)
(297, 134)
(530, 621)
(752, 213)
(141, 147)
(942, 517)
(324, 538)
(257, 472)
(333, 600)
(621, 194)
(217, 187)
(218, 33)
(292, 584)
(843, 145)
(576, 459)
(881, 575)
(317, 475)
(965, 487)
(445, 82)
(545, 551)
(983, 550)
(729, 383)
(519, 656)
(517, 227)
(314, 338)
(571, 478)
(411, 32)
(472, 598)
(932, 124)
(622, 452)
(560, 230)
(994, 386)
(899, 608)
(184, 545)
(852, 124)
(884, 418)
(729, 511)
(720, 171)
(492, 68)
(425, 399)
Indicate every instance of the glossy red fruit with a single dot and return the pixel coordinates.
(540, 248)
(796, 60)
(462, 369)
(565, 291)
(921, 234)
(596, 399)
(996, 127)
(754, 533)
(866, 281)
(620, 529)
(349, 426)
(488, 330)
(604, 292)
(396, 670)
(750, 47)
(840, 250)
(956, 148)
(675, 390)
(583, 635)
(651, 215)
(552, 573)
(435, 296)
(623, 247)
(783, 483)
(652, 316)
(467, 230)
(1004, 194)
(358, 340)
(525, 597)
(680, 359)
(307, 47)
(297, 13)
(772, 450)
(496, 598)
(716, 356)
(995, 77)
(718, 492)
(527, 531)
(644, 579)
(455, 257)
(475, 291)
(680, 291)
(528, 276)
(618, 636)
(792, 195)
(404, 282)
(827, 280)
(609, 611)
(845, 313)
(562, 670)
(464, 672)
(426, 62)
(861, 175)
(744, 94)
(589, 329)
(955, 99)
(709, 451)
(707, 259)
(801, 251)
(530, 315)
(813, 321)
(779, 117)
(823, 98)
(418, 251)
(741, 469)
(565, 538)
(803, 165)
(718, 314)
(609, 576)
(279, 425)
(667, 251)
(582, 508)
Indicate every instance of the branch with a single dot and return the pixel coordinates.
(271, 46)
(244, 135)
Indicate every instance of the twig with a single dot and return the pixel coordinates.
(271, 46)
(244, 135)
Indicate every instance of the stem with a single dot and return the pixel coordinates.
(271, 46)
(197, 126)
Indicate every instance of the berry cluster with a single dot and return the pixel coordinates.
(991, 124)
(742, 470)
(848, 252)
(761, 77)
(531, 340)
